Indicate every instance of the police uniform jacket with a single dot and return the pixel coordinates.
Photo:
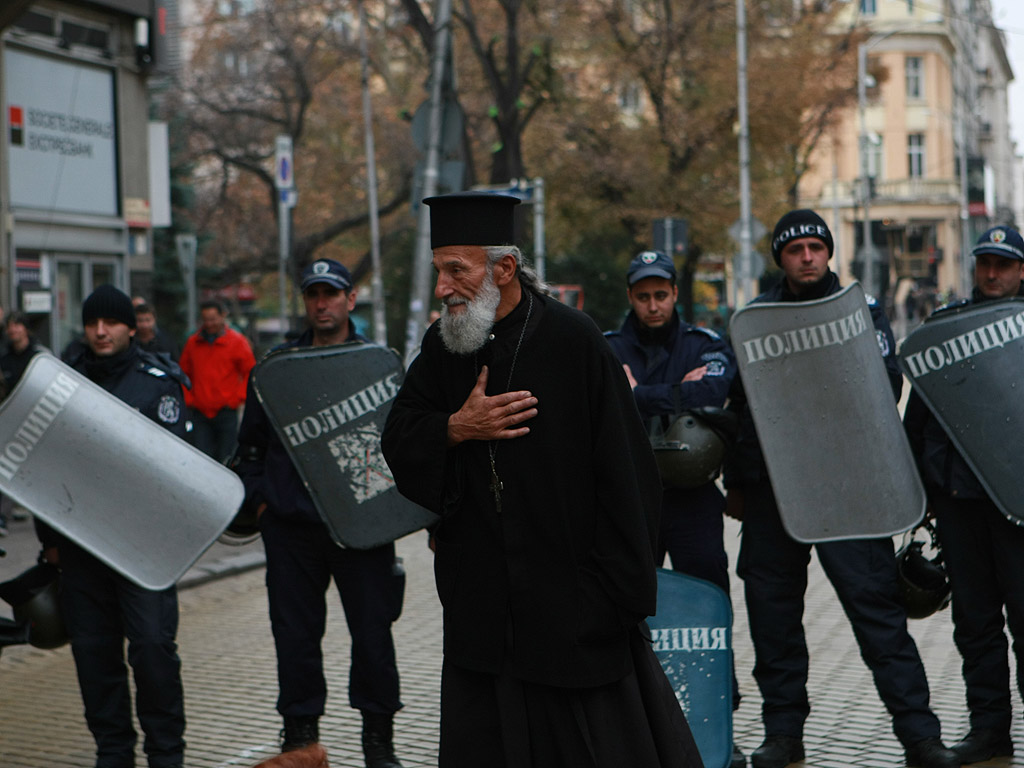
(267, 472)
(659, 366)
(151, 385)
(939, 462)
(745, 463)
(548, 588)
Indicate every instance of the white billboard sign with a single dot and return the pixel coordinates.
(61, 135)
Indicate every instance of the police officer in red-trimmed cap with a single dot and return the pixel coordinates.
(674, 367)
(302, 559)
(982, 549)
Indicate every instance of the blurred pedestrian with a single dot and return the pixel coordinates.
(982, 549)
(516, 425)
(150, 336)
(302, 558)
(773, 565)
(21, 347)
(217, 359)
(673, 367)
(100, 607)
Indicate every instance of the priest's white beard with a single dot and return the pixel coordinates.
(468, 330)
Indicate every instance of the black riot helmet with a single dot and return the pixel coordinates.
(923, 581)
(691, 450)
(34, 597)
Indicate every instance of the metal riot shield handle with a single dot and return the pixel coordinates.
(967, 365)
(837, 456)
(328, 406)
(120, 486)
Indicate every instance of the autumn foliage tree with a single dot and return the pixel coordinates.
(627, 110)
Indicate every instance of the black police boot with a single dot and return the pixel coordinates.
(378, 745)
(983, 744)
(739, 760)
(777, 752)
(299, 731)
(931, 753)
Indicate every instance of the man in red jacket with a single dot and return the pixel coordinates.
(217, 359)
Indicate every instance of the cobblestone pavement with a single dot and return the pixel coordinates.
(230, 681)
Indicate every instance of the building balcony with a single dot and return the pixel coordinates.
(850, 193)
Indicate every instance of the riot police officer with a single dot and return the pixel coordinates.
(673, 367)
(773, 565)
(302, 558)
(982, 549)
(100, 606)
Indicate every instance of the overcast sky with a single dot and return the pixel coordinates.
(1009, 17)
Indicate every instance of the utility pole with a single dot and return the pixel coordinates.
(419, 297)
(868, 247)
(380, 331)
(744, 279)
(284, 183)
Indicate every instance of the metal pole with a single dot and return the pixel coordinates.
(380, 331)
(419, 296)
(670, 245)
(868, 275)
(283, 222)
(966, 278)
(745, 276)
(539, 254)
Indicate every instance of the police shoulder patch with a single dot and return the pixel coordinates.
(883, 343)
(168, 410)
(152, 370)
(871, 300)
(716, 363)
(705, 331)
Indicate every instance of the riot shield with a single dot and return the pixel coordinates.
(965, 364)
(692, 636)
(837, 455)
(138, 498)
(328, 406)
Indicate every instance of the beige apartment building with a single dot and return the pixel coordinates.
(933, 97)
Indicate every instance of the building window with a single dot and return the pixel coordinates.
(630, 98)
(915, 155)
(868, 7)
(915, 77)
(875, 154)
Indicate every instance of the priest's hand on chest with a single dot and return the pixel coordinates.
(497, 417)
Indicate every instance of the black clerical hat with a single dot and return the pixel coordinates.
(472, 218)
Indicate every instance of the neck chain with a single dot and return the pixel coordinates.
(492, 446)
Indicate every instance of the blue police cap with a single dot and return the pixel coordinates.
(327, 271)
(1001, 241)
(650, 264)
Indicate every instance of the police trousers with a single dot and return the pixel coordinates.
(301, 560)
(773, 567)
(984, 556)
(101, 608)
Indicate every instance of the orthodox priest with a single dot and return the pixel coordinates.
(517, 426)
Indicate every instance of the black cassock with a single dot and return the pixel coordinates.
(544, 593)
